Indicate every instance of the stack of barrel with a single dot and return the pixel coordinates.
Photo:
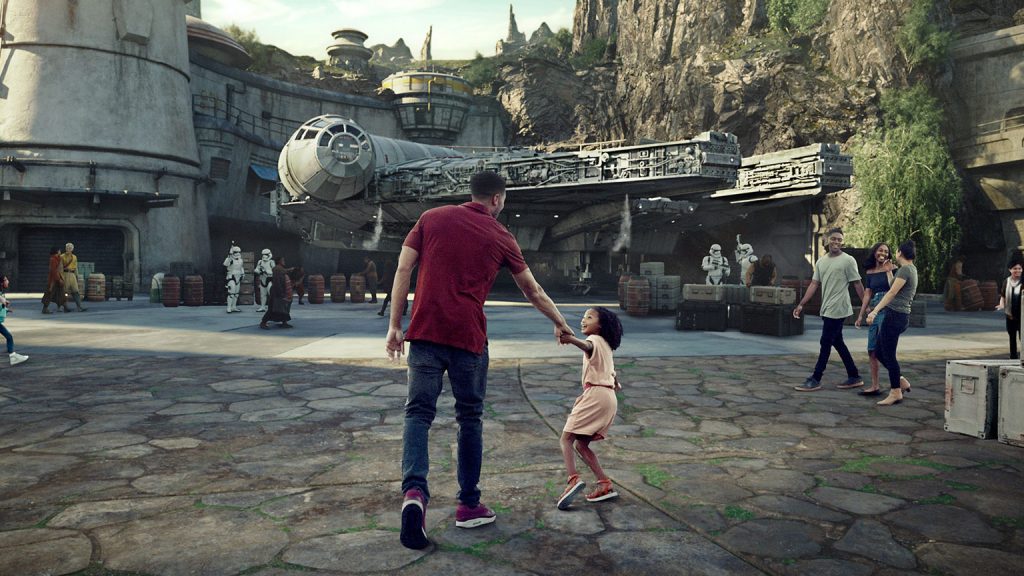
(170, 288)
(245, 291)
(315, 288)
(357, 286)
(338, 284)
(623, 282)
(638, 296)
(193, 290)
(95, 288)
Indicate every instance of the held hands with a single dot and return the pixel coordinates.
(562, 332)
(395, 344)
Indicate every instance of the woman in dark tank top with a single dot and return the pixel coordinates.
(877, 280)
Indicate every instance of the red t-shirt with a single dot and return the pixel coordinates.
(461, 249)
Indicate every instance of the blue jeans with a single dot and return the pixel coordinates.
(832, 337)
(7, 335)
(467, 373)
(888, 337)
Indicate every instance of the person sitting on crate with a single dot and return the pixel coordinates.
(235, 275)
(762, 272)
(264, 270)
(716, 265)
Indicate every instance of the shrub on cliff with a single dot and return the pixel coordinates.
(799, 15)
(908, 185)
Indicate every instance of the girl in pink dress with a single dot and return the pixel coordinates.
(594, 410)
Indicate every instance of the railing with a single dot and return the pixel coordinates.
(269, 127)
(997, 126)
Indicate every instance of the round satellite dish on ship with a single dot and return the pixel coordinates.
(207, 40)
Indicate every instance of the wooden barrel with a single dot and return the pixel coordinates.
(170, 288)
(623, 282)
(357, 286)
(638, 296)
(989, 294)
(315, 288)
(338, 285)
(971, 294)
(96, 287)
(193, 290)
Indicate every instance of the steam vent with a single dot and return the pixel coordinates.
(431, 107)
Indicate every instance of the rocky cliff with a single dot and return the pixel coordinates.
(685, 66)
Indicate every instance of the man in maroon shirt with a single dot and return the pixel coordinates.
(459, 251)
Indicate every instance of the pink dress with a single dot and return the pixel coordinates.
(594, 410)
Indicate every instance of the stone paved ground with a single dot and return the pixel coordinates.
(166, 465)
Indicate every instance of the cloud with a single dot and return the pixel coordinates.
(353, 9)
(246, 13)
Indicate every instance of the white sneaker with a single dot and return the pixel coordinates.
(17, 358)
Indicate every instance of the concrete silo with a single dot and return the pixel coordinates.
(97, 145)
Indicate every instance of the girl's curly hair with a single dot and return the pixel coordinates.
(611, 328)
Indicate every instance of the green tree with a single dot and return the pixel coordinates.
(480, 72)
(922, 40)
(261, 54)
(908, 184)
(799, 15)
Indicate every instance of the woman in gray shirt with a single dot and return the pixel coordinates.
(896, 303)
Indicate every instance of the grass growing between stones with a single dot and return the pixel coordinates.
(97, 569)
(940, 499)
(653, 475)
(479, 549)
(734, 512)
(962, 486)
(863, 463)
(648, 433)
(1006, 521)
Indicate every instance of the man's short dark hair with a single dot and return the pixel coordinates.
(835, 231)
(908, 249)
(485, 184)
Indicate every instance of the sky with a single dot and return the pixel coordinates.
(461, 27)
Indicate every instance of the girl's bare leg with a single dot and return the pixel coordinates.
(874, 370)
(583, 447)
(568, 456)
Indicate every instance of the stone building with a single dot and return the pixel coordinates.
(134, 132)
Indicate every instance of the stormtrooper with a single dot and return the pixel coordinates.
(744, 257)
(264, 271)
(716, 265)
(235, 274)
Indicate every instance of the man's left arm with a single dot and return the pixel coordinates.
(541, 301)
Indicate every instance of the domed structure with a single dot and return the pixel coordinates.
(431, 106)
(212, 42)
(348, 51)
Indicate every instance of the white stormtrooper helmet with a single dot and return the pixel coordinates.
(267, 254)
(716, 250)
(235, 250)
(744, 249)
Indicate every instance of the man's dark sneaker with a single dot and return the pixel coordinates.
(851, 382)
(809, 385)
(414, 520)
(466, 517)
